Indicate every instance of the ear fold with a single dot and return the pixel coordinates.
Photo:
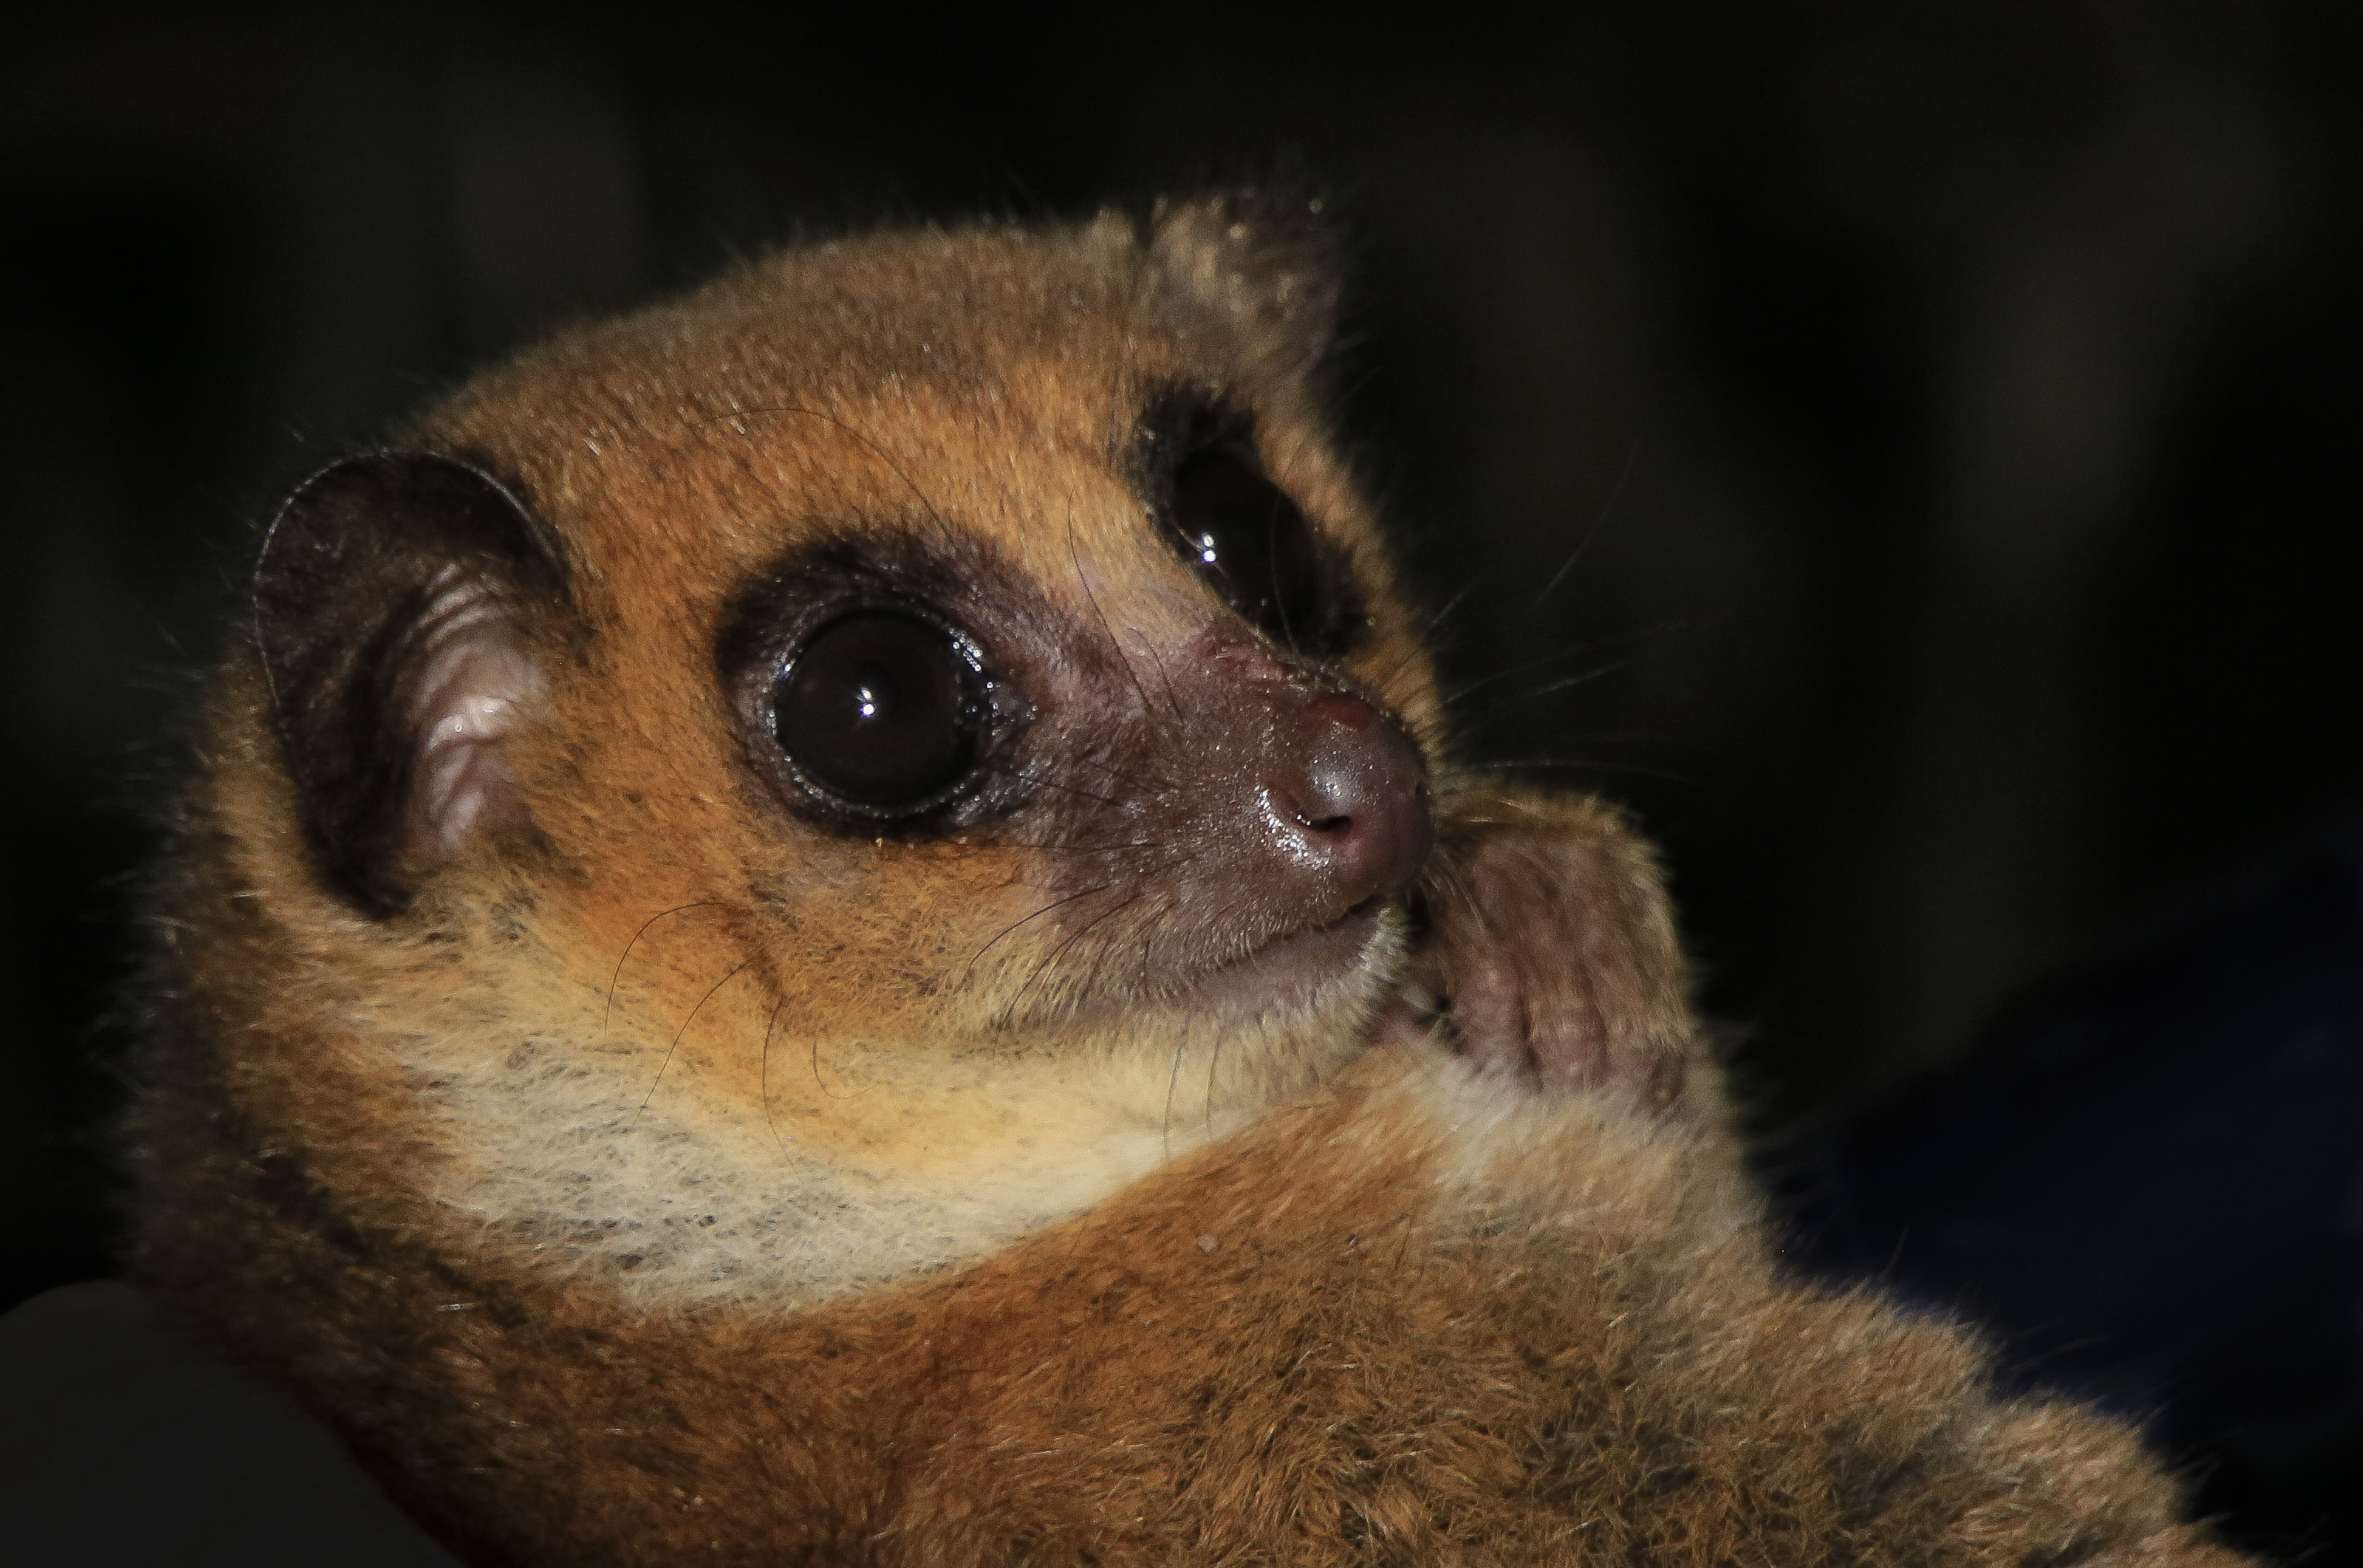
(390, 608)
(1266, 257)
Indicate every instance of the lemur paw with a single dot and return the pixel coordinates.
(1548, 953)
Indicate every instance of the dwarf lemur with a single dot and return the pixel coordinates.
(834, 923)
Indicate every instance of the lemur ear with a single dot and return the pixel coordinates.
(1266, 257)
(391, 609)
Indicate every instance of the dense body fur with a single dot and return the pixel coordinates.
(636, 1163)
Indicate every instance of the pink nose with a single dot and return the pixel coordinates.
(1354, 810)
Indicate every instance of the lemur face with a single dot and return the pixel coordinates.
(951, 667)
(1164, 740)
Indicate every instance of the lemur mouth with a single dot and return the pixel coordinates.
(1290, 973)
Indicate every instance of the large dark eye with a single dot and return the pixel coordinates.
(1241, 533)
(881, 710)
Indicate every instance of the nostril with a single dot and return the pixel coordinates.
(1359, 809)
(1293, 806)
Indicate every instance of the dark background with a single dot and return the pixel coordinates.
(1956, 407)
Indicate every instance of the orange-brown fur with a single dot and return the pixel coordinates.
(1366, 1299)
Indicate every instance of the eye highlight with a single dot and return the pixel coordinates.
(882, 710)
(1242, 534)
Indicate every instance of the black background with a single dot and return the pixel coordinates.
(1950, 411)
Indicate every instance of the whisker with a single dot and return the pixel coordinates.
(1662, 628)
(1121, 775)
(1173, 1080)
(1046, 908)
(1051, 959)
(822, 1086)
(1572, 763)
(1588, 677)
(1049, 783)
(1591, 533)
(1108, 951)
(1074, 552)
(1414, 653)
(1418, 645)
(1147, 940)
(764, 1079)
(685, 1030)
(608, 1014)
(1214, 1059)
(1428, 628)
(1163, 678)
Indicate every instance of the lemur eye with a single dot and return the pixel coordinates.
(881, 710)
(1241, 533)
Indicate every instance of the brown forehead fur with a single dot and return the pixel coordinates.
(1406, 1318)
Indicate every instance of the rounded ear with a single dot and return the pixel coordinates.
(391, 606)
(1266, 257)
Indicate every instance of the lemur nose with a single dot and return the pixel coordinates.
(1357, 808)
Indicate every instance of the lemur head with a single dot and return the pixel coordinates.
(921, 724)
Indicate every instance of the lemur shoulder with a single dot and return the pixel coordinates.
(834, 923)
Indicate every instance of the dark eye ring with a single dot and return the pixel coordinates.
(882, 710)
(1246, 539)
